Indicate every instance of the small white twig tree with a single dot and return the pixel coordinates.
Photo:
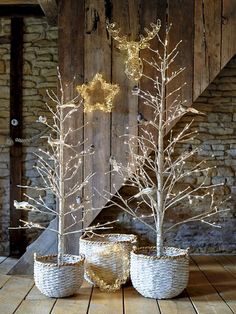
(58, 167)
(153, 168)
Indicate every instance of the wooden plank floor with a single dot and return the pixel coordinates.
(211, 289)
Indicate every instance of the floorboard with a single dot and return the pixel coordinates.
(13, 293)
(231, 258)
(180, 305)
(35, 307)
(211, 290)
(223, 281)
(104, 303)
(203, 295)
(36, 303)
(77, 304)
(135, 303)
(3, 280)
(229, 265)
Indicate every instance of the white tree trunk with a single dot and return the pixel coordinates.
(61, 205)
(160, 159)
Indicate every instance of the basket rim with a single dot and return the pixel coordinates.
(139, 252)
(89, 240)
(45, 260)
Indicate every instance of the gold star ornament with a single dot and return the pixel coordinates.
(98, 94)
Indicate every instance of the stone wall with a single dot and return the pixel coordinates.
(40, 63)
(40, 73)
(216, 139)
(4, 133)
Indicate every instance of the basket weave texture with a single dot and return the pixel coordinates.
(107, 261)
(58, 281)
(159, 278)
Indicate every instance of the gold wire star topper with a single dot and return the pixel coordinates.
(98, 94)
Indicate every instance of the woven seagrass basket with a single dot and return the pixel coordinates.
(159, 278)
(107, 259)
(58, 281)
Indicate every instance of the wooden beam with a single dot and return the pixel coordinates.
(16, 72)
(71, 63)
(16, 2)
(50, 9)
(21, 10)
(228, 39)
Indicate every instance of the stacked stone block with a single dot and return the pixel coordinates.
(4, 135)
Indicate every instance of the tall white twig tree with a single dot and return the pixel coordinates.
(153, 168)
(58, 167)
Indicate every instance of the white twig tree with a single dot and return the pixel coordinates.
(58, 167)
(153, 168)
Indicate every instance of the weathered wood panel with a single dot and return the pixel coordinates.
(207, 44)
(150, 12)
(50, 10)
(97, 59)
(228, 44)
(181, 30)
(126, 15)
(71, 64)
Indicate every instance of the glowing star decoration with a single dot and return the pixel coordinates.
(133, 64)
(98, 94)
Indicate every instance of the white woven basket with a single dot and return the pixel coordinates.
(159, 278)
(55, 281)
(107, 261)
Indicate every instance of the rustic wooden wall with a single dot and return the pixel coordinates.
(85, 48)
(214, 40)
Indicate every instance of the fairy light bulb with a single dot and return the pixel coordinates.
(133, 63)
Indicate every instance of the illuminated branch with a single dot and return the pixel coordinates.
(57, 166)
(155, 171)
